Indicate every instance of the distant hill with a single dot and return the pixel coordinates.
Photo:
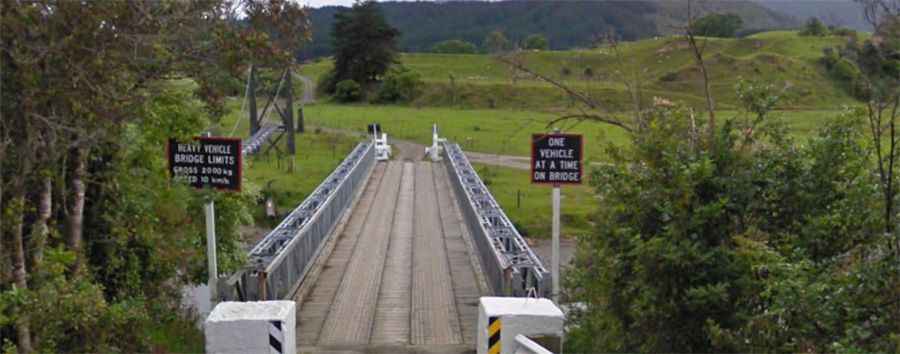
(844, 13)
(566, 24)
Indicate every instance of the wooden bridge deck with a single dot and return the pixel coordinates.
(401, 276)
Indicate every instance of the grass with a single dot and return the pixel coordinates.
(664, 65)
(493, 131)
(318, 153)
(501, 131)
(529, 206)
(176, 335)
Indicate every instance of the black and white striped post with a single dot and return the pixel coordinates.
(276, 337)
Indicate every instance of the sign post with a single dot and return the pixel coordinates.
(210, 212)
(208, 162)
(556, 159)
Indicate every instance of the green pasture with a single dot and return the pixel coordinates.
(664, 67)
(529, 206)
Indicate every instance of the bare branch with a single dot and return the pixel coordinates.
(592, 117)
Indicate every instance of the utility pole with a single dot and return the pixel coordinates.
(289, 113)
(251, 101)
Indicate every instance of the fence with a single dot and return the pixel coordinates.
(511, 267)
(280, 261)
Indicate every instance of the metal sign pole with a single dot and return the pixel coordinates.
(555, 230)
(209, 208)
(555, 252)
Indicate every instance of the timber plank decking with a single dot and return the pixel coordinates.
(401, 277)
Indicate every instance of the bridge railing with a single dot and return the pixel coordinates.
(280, 261)
(511, 267)
(254, 143)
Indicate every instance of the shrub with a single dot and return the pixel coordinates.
(844, 70)
(588, 72)
(718, 25)
(325, 83)
(669, 77)
(347, 91)
(814, 27)
(536, 42)
(400, 85)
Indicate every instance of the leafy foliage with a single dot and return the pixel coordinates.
(347, 91)
(400, 85)
(495, 42)
(718, 25)
(365, 45)
(536, 42)
(814, 27)
(750, 242)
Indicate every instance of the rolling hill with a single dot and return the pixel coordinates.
(666, 69)
(566, 24)
(843, 13)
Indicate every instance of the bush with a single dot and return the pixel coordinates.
(844, 70)
(325, 84)
(669, 77)
(400, 85)
(718, 25)
(814, 27)
(347, 91)
(536, 42)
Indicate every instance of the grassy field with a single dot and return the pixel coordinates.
(501, 131)
(529, 206)
(318, 153)
(664, 65)
(493, 131)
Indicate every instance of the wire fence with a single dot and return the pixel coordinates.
(511, 267)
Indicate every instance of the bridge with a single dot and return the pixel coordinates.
(392, 256)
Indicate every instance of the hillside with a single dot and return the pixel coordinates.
(566, 24)
(782, 58)
(844, 13)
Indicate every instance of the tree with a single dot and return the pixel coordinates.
(85, 100)
(454, 46)
(364, 45)
(536, 42)
(287, 24)
(495, 42)
(718, 25)
(814, 27)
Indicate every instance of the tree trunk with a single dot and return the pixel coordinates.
(289, 112)
(3, 273)
(41, 230)
(75, 218)
(251, 101)
(20, 273)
